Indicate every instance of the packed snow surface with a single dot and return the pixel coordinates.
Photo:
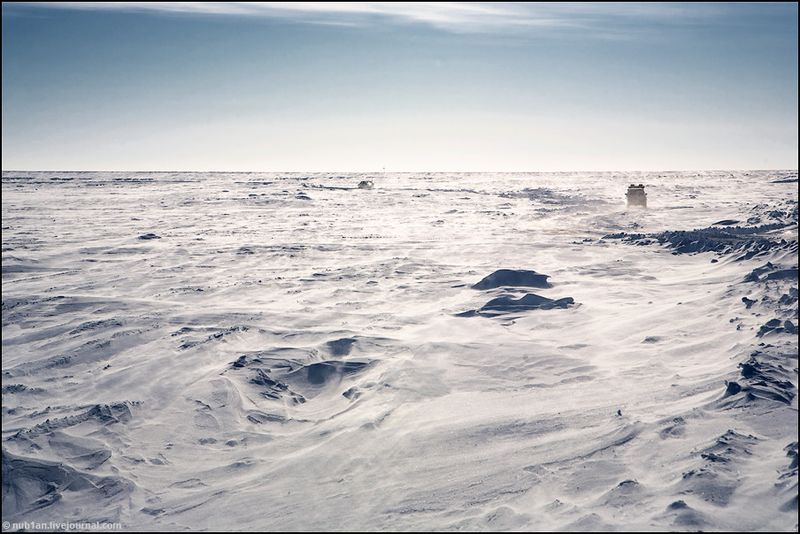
(441, 352)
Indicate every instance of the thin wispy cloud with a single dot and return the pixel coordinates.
(607, 19)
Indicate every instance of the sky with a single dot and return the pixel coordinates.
(341, 86)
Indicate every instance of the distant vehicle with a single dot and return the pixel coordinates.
(636, 196)
(365, 184)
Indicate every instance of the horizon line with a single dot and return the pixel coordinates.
(402, 172)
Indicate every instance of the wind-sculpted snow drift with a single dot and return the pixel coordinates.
(511, 277)
(251, 351)
(506, 304)
(752, 240)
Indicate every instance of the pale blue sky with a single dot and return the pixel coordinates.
(440, 87)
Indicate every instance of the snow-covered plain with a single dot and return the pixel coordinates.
(284, 351)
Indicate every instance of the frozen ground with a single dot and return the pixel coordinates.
(286, 352)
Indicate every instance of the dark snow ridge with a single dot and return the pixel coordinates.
(716, 476)
(763, 378)
(512, 278)
(296, 381)
(785, 213)
(103, 414)
(724, 238)
(507, 304)
(190, 343)
(528, 302)
(777, 326)
(31, 484)
(20, 388)
(274, 389)
(729, 240)
(769, 375)
(504, 304)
